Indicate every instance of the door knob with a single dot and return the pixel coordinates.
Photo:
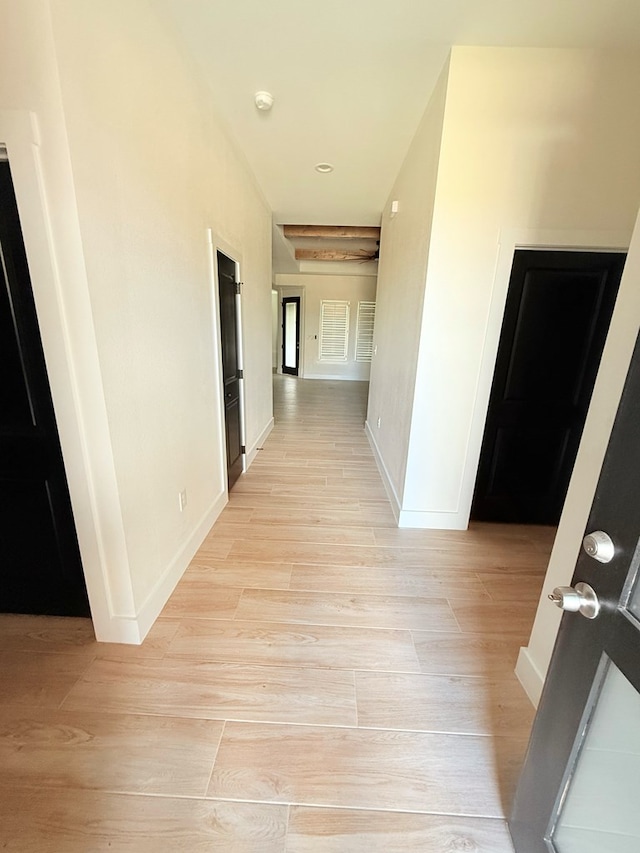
(599, 545)
(579, 599)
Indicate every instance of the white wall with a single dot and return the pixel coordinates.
(616, 357)
(32, 125)
(538, 147)
(131, 343)
(402, 270)
(153, 171)
(313, 289)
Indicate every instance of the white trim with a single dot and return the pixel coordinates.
(384, 474)
(337, 376)
(252, 451)
(68, 339)
(510, 240)
(529, 676)
(432, 520)
(167, 582)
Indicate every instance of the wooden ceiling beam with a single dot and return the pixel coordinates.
(332, 232)
(330, 255)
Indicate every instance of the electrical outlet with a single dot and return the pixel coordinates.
(379, 422)
(182, 500)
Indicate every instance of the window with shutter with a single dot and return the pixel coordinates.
(364, 330)
(334, 330)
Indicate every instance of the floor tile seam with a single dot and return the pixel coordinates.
(423, 734)
(233, 664)
(301, 625)
(295, 665)
(413, 594)
(324, 624)
(334, 806)
(348, 524)
(76, 681)
(461, 564)
(355, 698)
(223, 719)
(132, 712)
(505, 636)
(440, 599)
(215, 756)
(487, 680)
(382, 811)
(315, 540)
(51, 652)
(26, 788)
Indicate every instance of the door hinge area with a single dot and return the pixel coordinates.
(243, 449)
(239, 374)
(239, 286)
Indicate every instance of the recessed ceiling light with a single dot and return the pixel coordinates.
(324, 168)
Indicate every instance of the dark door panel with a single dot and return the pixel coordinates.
(291, 335)
(227, 287)
(40, 568)
(557, 315)
(579, 786)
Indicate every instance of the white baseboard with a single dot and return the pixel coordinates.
(529, 676)
(382, 468)
(118, 629)
(432, 520)
(332, 376)
(252, 451)
(135, 630)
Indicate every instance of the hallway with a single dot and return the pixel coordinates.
(319, 682)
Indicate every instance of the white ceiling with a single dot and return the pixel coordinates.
(351, 79)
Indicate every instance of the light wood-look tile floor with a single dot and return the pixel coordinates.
(319, 682)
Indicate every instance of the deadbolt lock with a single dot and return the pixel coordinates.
(599, 545)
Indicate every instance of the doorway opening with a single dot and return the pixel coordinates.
(291, 335)
(229, 290)
(557, 314)
(41, 566)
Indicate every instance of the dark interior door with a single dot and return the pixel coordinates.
(228, 289)
(557, 315)
(579, 788)
(40, 568)
(291, 335)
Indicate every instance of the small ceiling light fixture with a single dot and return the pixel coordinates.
(264, 100)
(324, 168)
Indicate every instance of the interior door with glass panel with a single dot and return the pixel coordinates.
(291, 335)
(579, 791)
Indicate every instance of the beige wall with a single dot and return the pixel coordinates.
(537, 147)
(312, 290)
(146, 176)
(404, 250)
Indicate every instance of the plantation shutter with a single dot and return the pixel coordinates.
(364, 333)
(334, 330)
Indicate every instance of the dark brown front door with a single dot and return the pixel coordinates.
(291, 335)
(579, 788)
(557, 315)
(40, 568)
(228, 290)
